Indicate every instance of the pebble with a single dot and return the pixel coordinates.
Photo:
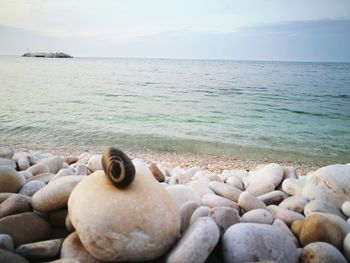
(321, 252)
(6, 152)
(72, 248)
(64, 172)
(186, 212)
(80, 169)
(10, 180)
(294, 203)
(225, 190)
(15, 204)
(321, 206)
(104, 214)
(273, 198)
(236, 182)
(58, 218)
(25, 174)
(157, 173)
(47, 165)
(248, 202)
(213, 200)
(179, 179)
(296, 227)
(40, 250)
(251, 242)
(265, 179)
(9, 257)
(38, 169)
(200, 187)
(345, 208)
(197, 243)
(31, 187)
(70, 159)
(324, 227)
(287, 216)
(6, 242)
(25, 228)
(330, 184)
(43, 177)
(202, 211)
(95, 163)
(346, 247)
(4, 196)
(290, 172)
(182, 194)
(55, 195)
(293, 186)
(259, 216)
(7, 162)
(225, 217)
(278, 223)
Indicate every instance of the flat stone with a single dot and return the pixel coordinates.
(15, 204)
(259, 216)
(345, 208)
(43, 177)
(273, 198)
(225, 190)
(55, 195)
(25, 228)
(322, 227)
(287, 216)
(72, 248)
(225, 217)
(202, 211)
(182, 194)
(157, 173)
(139, 222)
(6, 152)
(279, 224)
(330, 184)
(51, 165)
(31, 187)
(95, 163)
(236, 182)
(321, 252)
(10, 180)
(346, 247)
(293, 186)
(8, 163)
(250, 242)
(186, 212)
(213, 200)
(323, 207)
(6, 242)
(40, 250)
(200, 187)
(38, 169)
(248, 202)
(294, 203)
(9, 257)
(197, 243)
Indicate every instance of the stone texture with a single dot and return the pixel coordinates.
(8, 163)
(4, 196)
(321, 252)
(139, 222)
(157, 173)
(40, 250)
(6, 242)
(346, 247)
(70, 159)
(15, 204)
(236, 182)
(186, 212)
(51, 165)
(10, 180)
(43, 177)
(95, 163)
(278, 223)
(248, 202)
(345, 208)
(202, 211)
(25, 174)
(55, 195)
(31, 187)
(296, 227)
(200, 187)
(257, 242)
(324, 228)
(9, 257)
(273, 198)
(38, 169)
(259, 216)
(182, 194)
(323, 207)
(197, 243)
(294, 203)
(6, 152)
(287, 216)
(225, 190)
(293, 186)
(25, 228)
(290, 172)
(330, 184)
(213, 200)
(225, 217)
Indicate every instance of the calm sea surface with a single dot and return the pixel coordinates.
(281, 110)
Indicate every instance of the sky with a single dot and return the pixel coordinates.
(298, 30)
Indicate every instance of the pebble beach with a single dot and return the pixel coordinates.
(58, 205)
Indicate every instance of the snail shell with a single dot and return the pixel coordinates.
(118, 167)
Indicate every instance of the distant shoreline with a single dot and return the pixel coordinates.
(46, 55)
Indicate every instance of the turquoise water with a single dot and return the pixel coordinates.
(287, 110)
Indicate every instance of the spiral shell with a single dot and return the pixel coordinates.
(118, 167)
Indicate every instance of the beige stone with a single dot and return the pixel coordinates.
(287, 216)
(225, 190)
(10, 180)
(321, 252)
(213, 200)
(259, 216)
(248, 202)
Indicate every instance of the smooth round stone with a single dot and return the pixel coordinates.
(25, 228)
(9, 257)
(70, 159)
(84, 157)
(290, 172)
(296, 227)
(47, 165)
(23, 164)
(4, 196)
(293, 186)
(15, 204)
(26, 174)
(58, 218)
(321, 252)
(64, 172)
(44, 177)
(225, 217)
(6, 242)
(294, 203)
(197, 243)
(157, 173)
(142, 168)
(72, 248)
(182, 194)
(330, 184)
(7, 162)
(69, 225)
(55, 195)
(39, 168)
(259, 216)
(250, 242)
(6, 152)
(81, 169)
(192, 171)
(179, 179)
(324, 227)
(346, 247)
(273, 198)
(213, 200)
(248, 202)
(30, 188)
(345, 208)
(186, 212)
(40, 250)
(10, 180)
(265, 179)
(202, 211)
(236, 182)
(137, 223)
(95, 163)
(323, 207)
(200, 187)
(279, 224)
(225, 190)
(287, 216)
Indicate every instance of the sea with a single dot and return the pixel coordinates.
(294, 111)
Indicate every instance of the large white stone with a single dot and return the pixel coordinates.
(95, 163)
(182, 194)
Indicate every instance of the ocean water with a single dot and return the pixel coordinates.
(277, 110)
